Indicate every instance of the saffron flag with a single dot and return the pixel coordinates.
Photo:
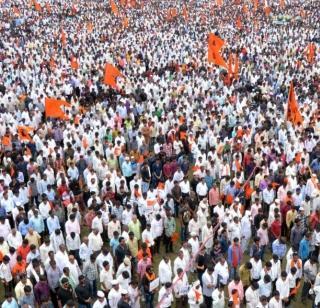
(172, 13)
(282, 4)
(24, 133)
(293, 112)
(125, 22)
(239, 23)
(48, 8)
(63, 38)
(111, 73)
(185, 13)
(89, 27)
(255, 5)
(37, 6)
(233, 68)
(114, 8)
(215, 43)
(74, 63)
(311, 52)
(219, 2)
(53, 108)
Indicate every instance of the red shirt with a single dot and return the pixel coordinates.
(275, 228)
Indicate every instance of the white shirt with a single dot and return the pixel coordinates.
(14, 241)
(165, 272)
(44, 209)
(283, 287)
(252, 297)
(223, 271)
(166, 298)
(217, 299)
(97, 223)
(114, 297)
(273, 303)
(95, 242)
(209, 282)
(73, 243)
(106, 277)
(62, 259)
(178, 263)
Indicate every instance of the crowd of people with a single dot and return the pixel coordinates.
(177, 187)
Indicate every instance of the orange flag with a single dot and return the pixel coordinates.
(74, 63)
(48, 8)
(219, 2)
(89, 27)
(185, 13)
(171, 13)
(245, 9)
(215, 43)
(293, 112)
(255, 5)
(239, 23)
(125, 22)
(52, 64)
(63, 38)
(37, 6)
(53, 108)
(24, 133)
(311, 52)
(267, 10)
(114, 8)
(111, 73)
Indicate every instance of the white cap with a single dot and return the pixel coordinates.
(236, 199)
(124, 292)
(277, 201)
(193, 234)
(114, 282)
(196, 283)
(100, 294)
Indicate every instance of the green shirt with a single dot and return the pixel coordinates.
(135, 228)
(169, 226)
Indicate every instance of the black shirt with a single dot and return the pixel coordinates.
(64, 295)
(83, 293)
(123, 304)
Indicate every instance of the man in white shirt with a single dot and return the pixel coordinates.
(95, 241)
(179, 262)
(202, 189)
(252, 295)
(14, 238)
(275, 301)
(209, 281)
(165, 297)
(114, 295)
(221, 271)
(165, 270)
(106, 276)
(218, 300)
(282, 286)
(61, 257)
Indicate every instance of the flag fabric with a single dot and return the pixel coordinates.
(125, 22)
(74, 63)
(255, 5)
(185, 13)
(63, 38)
(245, 9)
(215, 43)
(114, 8)
(24, 133)
(53, 108)
(16, 11)
(89, 27)
(238, 23)
(171, 14)
(293, 112)
(219, 2)
(311, 52)
(111, 73)
(48, 7)
(52, 64)
(37, 6)
(267, 10)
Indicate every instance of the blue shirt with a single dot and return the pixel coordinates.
(126, 169)
(114, 243)
(53, 224)
(37, 224)
(304, 249)
(23, 228)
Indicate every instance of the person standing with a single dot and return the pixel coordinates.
(169, 229)
(234, 256)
